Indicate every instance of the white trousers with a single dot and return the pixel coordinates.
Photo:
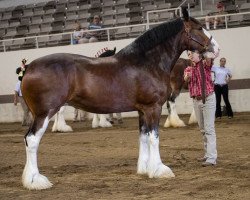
(205, 114)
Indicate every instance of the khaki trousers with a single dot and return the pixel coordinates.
(205, 114)
(26, 113)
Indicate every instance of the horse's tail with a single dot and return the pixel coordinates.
(21, 72)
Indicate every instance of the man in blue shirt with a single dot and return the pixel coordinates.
(93, 36)
(222, 76)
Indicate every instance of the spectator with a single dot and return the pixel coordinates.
(204, 111)
(18, 98)
(216, 20)
(78, 33)
(93, 35)
(222, 76)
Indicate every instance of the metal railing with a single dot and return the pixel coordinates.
(112, 29)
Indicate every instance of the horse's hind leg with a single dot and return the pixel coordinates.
(31, 178)
(60, 123)
(192, 119)
(100, 120)
(103, 121)
(173, 118)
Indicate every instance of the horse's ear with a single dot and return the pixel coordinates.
(185, 13)
(114, 50)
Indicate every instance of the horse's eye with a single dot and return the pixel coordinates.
(200, 28)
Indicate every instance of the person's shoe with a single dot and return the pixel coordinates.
(207, 164)
(201, 159)
(230, 117)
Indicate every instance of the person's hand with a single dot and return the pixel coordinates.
(228, 78)
(208, 61)
(187, 76)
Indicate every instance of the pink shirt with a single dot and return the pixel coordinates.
(195, 82)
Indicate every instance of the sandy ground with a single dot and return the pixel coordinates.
(101, 163)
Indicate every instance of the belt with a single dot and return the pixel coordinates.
(199, 98)
(221, 85)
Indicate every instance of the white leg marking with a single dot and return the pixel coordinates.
(31, 178)
(60, 123)
(54, 127)
(167, 122)
(143, 154)
(174, 119)
(216, 47)
(104, 122)
(95, 121)
(156, 169)
(192, 119)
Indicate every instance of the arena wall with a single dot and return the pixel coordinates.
(235, 46)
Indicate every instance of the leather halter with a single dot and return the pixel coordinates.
(189, 36)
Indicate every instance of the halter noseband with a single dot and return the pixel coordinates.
(205, 46)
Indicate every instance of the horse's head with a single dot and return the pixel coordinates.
(198, 38)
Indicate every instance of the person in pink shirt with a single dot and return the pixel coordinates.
(204, 107)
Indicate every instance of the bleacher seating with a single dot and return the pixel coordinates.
(60, 16)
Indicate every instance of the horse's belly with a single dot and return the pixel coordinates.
(102, 106)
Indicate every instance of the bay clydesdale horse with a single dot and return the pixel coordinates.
(137, 78)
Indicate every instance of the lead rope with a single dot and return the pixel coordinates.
(203, 83)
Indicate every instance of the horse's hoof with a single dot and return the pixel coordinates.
(142, 168)
(105, 125)
(37, 182)
(167, 123)
(161, 172)
(63, 129)
(179, 124)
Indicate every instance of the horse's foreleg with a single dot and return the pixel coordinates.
(60, 123)
(173, 118)
(31, 177)
(143, 147)
(156, 169)
(149, 155)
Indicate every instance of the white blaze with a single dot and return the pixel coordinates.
(216, 47)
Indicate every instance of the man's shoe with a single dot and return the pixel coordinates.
(207, 164)
(201, 159)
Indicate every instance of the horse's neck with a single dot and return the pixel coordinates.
(164, 55)
(168, 53)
